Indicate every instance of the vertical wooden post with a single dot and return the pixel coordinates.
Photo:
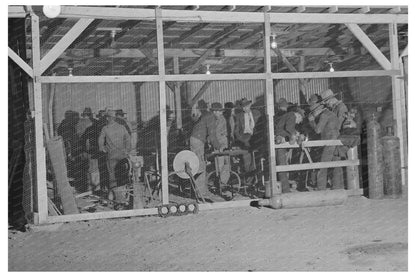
(399, 104)
(178, 104)
(40, 148)
(353, 177)
(162, 107)
(275, 187)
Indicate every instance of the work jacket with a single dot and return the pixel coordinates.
(285, 125)
(115, 140)
(204, 129)
(328, 125)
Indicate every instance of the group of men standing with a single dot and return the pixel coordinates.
(327, 118)
(95, 146)
(211, 126)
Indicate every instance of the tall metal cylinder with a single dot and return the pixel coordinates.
(375, 160)
(391, 158)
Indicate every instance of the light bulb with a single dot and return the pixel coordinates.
(273, 44)
(331, 69)
(52, 11)
(70, 72)
(208, 72)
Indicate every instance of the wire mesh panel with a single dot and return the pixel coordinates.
(103, 138)
(211, 157)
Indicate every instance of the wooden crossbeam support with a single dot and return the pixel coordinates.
(369, 45)
(200, 60)
(175, 42)
(300, 9)
(178, 102)
(219, 35)
(255, 32)
(365, 9)
(20, 62)
(333, 9)
(63, 43)
(200, 92)
(215, 16)
(152, 35)
(307, 166)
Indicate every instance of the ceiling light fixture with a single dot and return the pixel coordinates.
(208, 72)
(113, 35)
(52, 11)
(70, 71)
(331, 69)
(273, 44)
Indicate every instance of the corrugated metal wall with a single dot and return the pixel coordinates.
(97, 96)
(371, 89)
(149, 99)
(289, 89)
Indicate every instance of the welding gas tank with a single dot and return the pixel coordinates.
(375, 160)
(181, 159)
(392, 164)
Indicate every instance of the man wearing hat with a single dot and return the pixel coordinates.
(282, 106)
(221, 135)
(335, 105)
(328, 128)
(245, 123)
(285, 130)
(122, 120)
(115, 141)
(202, 132)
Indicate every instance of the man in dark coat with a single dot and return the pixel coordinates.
(328, 128)
(245, 123)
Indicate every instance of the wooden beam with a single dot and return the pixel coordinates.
(20, 62)
(333, 9)
(300, 9)
(215, 16)
(162, 107)
(101, 215)
(152, 34)
(310, 143)
(64, 43)
(83, 54)
(219, 36)
(395, 10)
(399, 104)
(178, 102)
(200, 92)
(370, 46)
(41, 187)
(307, 166)
(175, 42)
(275, 188)
(365, 9)
(198, 63)
(213, 77)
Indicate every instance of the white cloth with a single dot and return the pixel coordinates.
(248, 123)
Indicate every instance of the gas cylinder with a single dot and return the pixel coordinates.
(391, 158)
(375, 160)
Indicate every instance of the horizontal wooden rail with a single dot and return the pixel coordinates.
(306, 166)
(310, 143)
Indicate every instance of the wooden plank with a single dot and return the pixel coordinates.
(336, 74)
(370, 46)
(399, 104)
(225, 205)
(307, 166)
(178, 102)
(333, 9)
(365, 9)
(41, 187)
(162, 107)
(82, 54)
(101, 79)
(310, 143)
(101, 215)
(300, 9)
(214, 16)
(20, 62)
(275, 188)
(64, 43)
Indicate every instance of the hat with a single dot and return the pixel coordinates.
(120, 112)
(282, 102)
(111, 113)
(317, 109)
(202, 104)
(313, 99)
(327, 94)
(245, 102)
(229, 105)
(87, 111)
(216, 106)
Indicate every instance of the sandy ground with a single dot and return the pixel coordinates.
(362, 235)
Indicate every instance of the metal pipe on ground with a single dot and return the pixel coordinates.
(305, 199)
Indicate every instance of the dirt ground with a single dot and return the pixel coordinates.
(362, 235)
